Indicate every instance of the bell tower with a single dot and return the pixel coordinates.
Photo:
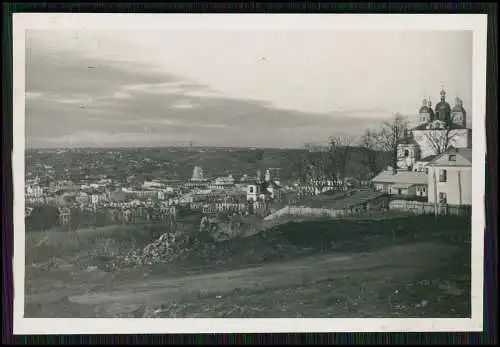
(458, 114)
(424, 114)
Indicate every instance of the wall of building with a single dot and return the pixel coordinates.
(405, 161)
(458, 138)
(382, 187)
(458, 185)
(421, 190)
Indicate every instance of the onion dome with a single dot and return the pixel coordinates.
(424, 108)
(442, 106)
(458, 107)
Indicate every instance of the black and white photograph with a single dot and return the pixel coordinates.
(182, 166)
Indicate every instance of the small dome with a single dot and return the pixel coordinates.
(424, 109)
(458, 107)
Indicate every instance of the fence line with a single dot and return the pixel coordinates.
(314, 212)
(416, 207)
(428, 208)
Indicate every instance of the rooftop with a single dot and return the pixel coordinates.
(464, 153)
(410, 177)
(341, 200)
(429, 158)
(407, 141)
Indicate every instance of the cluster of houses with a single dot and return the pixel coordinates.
(158, 199)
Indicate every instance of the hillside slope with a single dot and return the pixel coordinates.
(311, 269)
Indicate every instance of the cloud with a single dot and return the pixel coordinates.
(184, 104)
(120, 95)
(73, 100)
(33, 95)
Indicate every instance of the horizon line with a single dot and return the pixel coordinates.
(160, 146)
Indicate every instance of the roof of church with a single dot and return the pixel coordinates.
(424, 126)
(407, 141)
(267, 184)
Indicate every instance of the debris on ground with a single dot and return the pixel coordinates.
(451, 288)
(423, 303)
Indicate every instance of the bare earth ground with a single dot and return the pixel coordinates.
(415, 274)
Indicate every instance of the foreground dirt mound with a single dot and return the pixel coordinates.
(210, 245)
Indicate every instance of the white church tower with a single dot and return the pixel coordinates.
(458, 114)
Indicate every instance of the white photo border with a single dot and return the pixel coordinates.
(477, 23)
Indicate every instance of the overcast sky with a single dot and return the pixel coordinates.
(232, 88)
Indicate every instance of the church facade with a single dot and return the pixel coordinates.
(440, 128)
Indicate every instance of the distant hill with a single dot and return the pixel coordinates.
(149, 163)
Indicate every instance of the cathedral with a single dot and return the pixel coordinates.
(439, 128)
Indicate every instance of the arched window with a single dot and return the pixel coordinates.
(407, 153)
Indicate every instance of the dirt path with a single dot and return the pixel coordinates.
(399, 261)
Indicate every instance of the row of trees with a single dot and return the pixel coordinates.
(363, 157)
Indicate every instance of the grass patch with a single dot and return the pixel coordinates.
(106, 241)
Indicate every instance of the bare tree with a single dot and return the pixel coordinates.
(368, 142)
(340, 153)
(315, 168)
(439, 135)
(387, 137)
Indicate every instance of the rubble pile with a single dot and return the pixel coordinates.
(173, 246)
(163, 249)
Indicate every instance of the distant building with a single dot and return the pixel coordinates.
(197, 174)
(264, 190)
(253, 191)
(450, 177)
(222, 181)
(34, 191)
(118, 195)
(267, 176)
(64, 215)
(421, 165)
(409, 183)
(152, 184)
(408, 152)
